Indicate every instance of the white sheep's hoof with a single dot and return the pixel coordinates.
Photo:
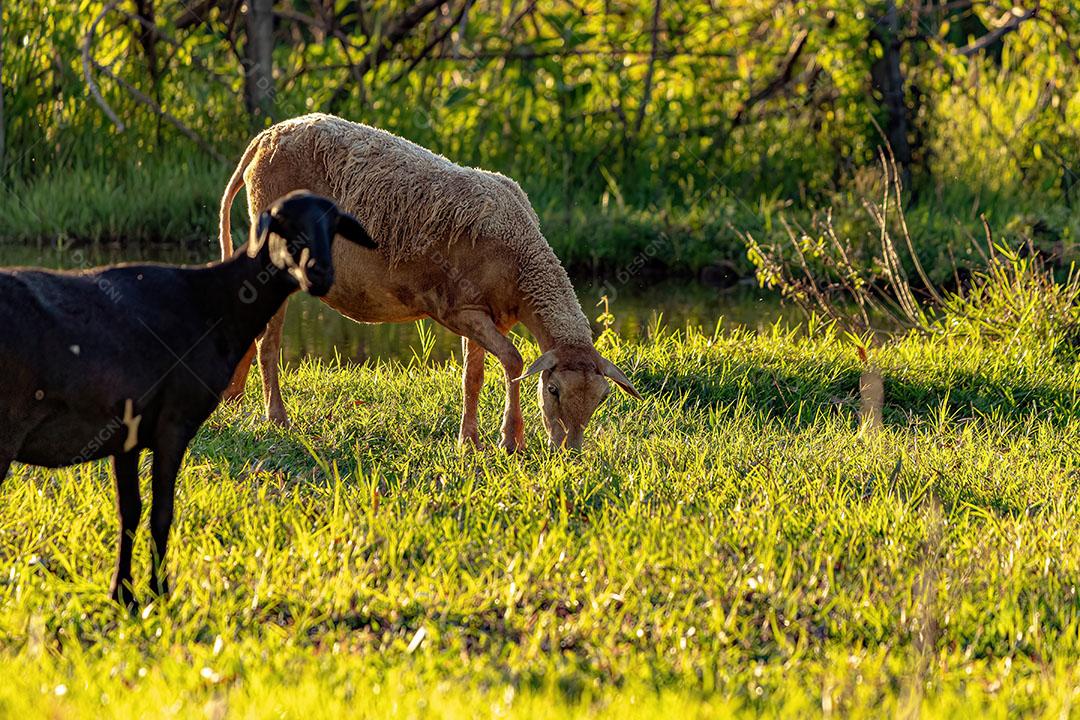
(470, 442)
(279, 418)
(512, 445)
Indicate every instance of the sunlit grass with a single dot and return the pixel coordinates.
(731, 544)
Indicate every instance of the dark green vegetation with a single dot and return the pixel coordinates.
(645, 131)
(734, 542)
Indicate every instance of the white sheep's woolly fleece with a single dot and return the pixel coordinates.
(409, 198)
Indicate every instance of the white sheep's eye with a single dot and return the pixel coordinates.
(553, 390)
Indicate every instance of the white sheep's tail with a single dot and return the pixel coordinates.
(235, 183)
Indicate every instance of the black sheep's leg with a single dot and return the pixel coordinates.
(129, 504)
(168, 457)
(9, 448)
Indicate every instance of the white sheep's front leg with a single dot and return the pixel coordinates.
(480, 328)
(472, 380)
(269, 362)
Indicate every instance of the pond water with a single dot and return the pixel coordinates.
(315, 330)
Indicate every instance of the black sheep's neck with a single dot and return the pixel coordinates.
(244, 293)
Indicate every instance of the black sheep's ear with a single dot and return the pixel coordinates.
(259, 233)
(350, 228)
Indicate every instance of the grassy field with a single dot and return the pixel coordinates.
(733, 544)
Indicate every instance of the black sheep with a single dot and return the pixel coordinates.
(112, 361)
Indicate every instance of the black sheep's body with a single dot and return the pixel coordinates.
(116, 356)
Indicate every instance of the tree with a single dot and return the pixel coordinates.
(2, 138)
(395, 30)
(888, 79)
(259, 62)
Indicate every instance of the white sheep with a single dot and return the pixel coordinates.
(460, 245)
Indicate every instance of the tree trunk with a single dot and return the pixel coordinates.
(148, 38)
(888, 79)
(259, 62)
(147, 32)
(3, 137)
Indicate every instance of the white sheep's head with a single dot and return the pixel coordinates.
(573, 382)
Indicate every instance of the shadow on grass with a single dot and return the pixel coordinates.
(801, 397)
(797, 397)
(246, 444)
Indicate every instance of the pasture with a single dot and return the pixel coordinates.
(832, 245)
(735, 543)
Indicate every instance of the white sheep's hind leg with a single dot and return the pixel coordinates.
(478, 327)
(472, 380)
(235, 390)
(269, 361)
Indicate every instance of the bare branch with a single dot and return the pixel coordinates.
(460, 19)
(158, 110)
(195, 13)
(782, 78)
(524, 53)
(1008, 23)
(170, 40)
(647, 94)
(397, 31)
(88, 62)
(527, 10)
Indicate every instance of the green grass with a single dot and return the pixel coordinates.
(166, 200)
(731, 545)
(176, 201)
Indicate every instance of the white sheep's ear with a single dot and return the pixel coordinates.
(542, 363)
(617, 377)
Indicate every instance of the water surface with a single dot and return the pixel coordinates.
(314, 329)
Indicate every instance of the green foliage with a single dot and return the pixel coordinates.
(1016, 301)
(731, 120)
(882, 283)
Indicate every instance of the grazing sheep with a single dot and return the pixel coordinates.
(121, 359)
(459, 245)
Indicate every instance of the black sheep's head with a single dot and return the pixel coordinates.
(298, 231)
